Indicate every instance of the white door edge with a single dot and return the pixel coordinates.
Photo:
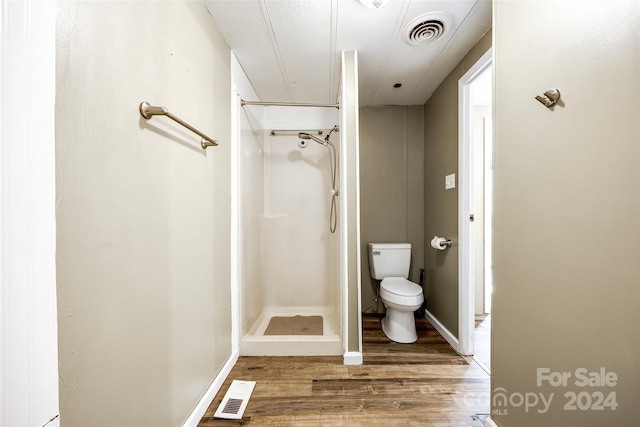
(466, 292)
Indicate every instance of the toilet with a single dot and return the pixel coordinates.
(390, 262)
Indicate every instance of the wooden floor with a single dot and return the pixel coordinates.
(420, 384)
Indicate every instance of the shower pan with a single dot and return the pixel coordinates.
(290, 236)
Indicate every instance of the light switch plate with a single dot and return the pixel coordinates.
(450, 181)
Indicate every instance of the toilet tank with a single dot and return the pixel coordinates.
(389, 260)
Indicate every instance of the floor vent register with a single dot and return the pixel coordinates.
(235, 400)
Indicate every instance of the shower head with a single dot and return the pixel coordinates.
(304, 135)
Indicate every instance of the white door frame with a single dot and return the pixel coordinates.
(28, 311)
(466, 278)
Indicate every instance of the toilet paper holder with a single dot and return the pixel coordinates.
(447, 243)
(441, 243)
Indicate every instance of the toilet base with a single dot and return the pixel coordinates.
(399, 326)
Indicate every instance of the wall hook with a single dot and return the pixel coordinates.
(550, 98)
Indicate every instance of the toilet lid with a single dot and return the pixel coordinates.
(401, 286)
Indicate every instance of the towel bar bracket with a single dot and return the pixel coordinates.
(147, 111)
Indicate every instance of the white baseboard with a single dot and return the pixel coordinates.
(211, 392)
(491, 423)
(451, 339)
(352, 358)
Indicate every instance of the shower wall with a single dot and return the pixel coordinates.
(252, 201)
(295, 239)
(300, 255)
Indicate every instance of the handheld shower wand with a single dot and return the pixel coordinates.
(333, 163)
(305, 135)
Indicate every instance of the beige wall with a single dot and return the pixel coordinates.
(143, 214)
(440, 205)
(567, 207)
(350, 201)
(391, 185)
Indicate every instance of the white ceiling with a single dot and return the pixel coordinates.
(290, 49)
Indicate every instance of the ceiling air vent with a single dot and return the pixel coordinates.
(426, 28)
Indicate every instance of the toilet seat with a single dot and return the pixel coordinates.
(399, 290)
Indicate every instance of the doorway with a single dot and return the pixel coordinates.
(475, 211)
(482, 176)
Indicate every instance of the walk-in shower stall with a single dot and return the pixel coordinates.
(289, 272)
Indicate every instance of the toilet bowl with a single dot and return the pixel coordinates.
(401, 298)
(390, 262)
